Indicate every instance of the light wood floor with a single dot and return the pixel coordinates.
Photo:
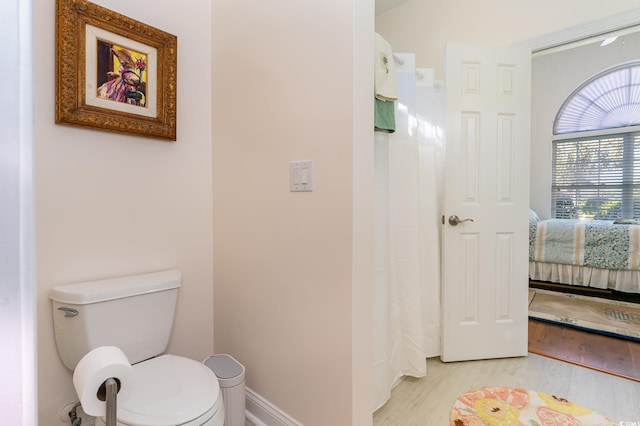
(427, 401)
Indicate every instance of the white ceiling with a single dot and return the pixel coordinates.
(384, 5)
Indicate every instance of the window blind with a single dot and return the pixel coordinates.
(596, 177)
(607, 101)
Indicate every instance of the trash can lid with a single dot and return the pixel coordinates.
(228, 370)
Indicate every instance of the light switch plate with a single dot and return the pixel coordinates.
(301, 176)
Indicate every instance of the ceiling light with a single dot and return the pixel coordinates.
(609, 40)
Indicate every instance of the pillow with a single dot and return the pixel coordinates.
(533, 217)
(625, 222)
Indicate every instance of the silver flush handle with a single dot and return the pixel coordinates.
(68, 312)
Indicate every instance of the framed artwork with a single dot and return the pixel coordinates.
(114, 73)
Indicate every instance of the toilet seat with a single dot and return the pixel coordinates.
(171, 390)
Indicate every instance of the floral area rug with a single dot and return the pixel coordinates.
(505, 406)
(610, 317)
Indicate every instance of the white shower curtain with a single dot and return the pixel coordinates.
(408, 166)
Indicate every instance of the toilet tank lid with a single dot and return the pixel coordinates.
(88, 292)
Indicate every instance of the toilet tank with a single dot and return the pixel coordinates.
(134, 313)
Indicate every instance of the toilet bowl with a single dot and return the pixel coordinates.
(172, 390)
(135, 314)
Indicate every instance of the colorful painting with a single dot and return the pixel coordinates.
(121, 74)
(114, 73)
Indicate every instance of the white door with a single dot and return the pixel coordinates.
(485, 261)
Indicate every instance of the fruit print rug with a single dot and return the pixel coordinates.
(505, 406)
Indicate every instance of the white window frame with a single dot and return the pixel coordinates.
(618, 178)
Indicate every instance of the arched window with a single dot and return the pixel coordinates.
(609, 100)
(596, 149)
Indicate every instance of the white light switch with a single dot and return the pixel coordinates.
(301, 176)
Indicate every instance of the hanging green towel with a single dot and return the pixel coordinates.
(384, 115)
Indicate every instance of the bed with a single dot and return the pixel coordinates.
(603, 254)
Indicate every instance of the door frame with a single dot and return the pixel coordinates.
(589, 32)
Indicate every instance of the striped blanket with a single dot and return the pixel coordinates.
(596, 243)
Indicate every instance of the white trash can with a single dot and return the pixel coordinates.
(231, 376)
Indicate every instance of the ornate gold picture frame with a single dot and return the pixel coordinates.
(114, 73)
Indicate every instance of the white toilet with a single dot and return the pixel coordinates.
(135, 313)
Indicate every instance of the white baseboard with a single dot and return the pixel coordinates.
(261, 412)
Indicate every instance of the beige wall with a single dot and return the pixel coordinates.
(283, 87)
(363, 202)
(423, 26)
(110, 204)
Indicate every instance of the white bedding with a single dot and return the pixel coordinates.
(620, 280)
